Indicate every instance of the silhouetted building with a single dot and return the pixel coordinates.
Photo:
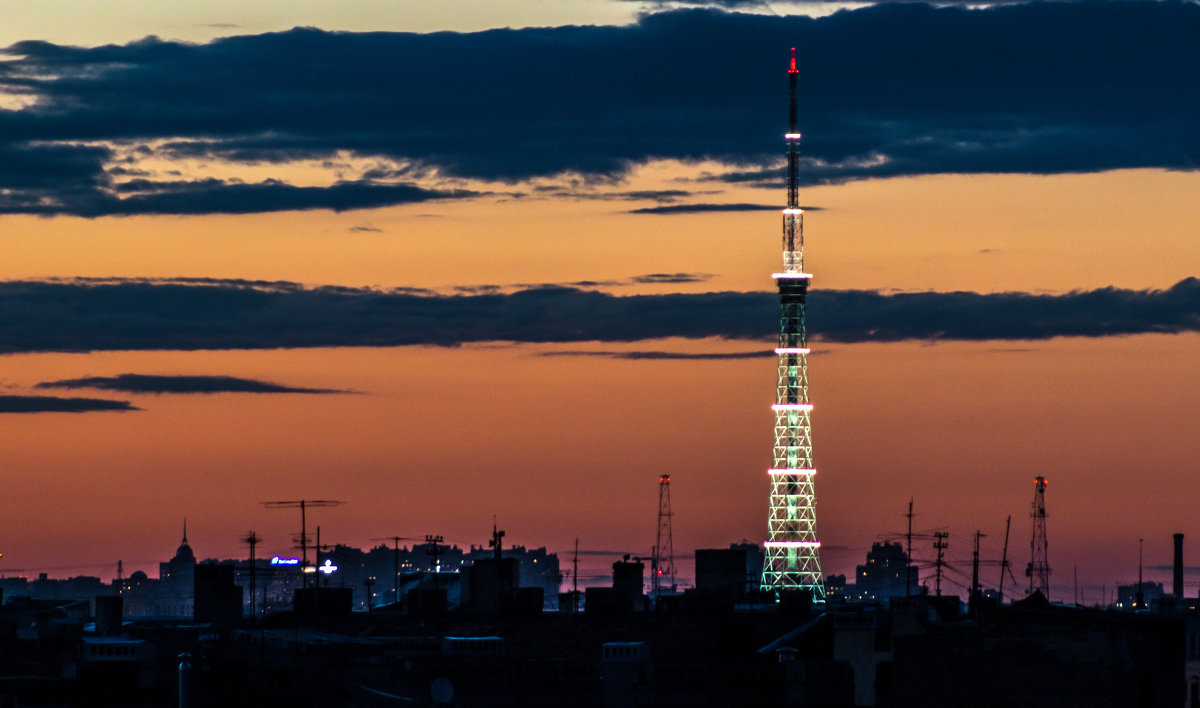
(217, 598)
(886, 574)
(492, 583)
(726, 574)
(1127, 595)
(535, 567)
(172, 595)
(1030, 654)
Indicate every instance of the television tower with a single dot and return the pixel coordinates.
(1039, 567)
(662, 565)
(793, 560)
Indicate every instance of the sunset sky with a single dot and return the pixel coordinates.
(444, 261)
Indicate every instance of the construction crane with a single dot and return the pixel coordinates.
(303, 505)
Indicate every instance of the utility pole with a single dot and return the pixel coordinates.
(940, 544)
(396, 561)
(1004, 558)
(317, 555)
(575, 580)
(303, 505)
(434, 549)
(908, 566)
(976, 588)
(369, 582)
(251, 539)
(1140, 602)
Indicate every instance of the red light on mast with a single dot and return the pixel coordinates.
(792, 70)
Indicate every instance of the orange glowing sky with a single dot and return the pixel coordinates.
(438, 440)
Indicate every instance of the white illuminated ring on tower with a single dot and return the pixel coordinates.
(793, 211)
(791, 136)
(792, 276)
(801, 472)
(792, 407)
(792, 544)
(792, 350)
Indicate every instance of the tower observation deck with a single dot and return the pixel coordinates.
(793, 560)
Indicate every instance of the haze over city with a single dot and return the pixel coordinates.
(456, 263)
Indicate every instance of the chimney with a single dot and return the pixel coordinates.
(1178, 566)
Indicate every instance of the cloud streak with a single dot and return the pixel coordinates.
(703, 208)
(667, 356)
(216, 314)
(54, 404)
(144, 383)
(594, 101)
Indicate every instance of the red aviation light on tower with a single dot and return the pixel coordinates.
(792, 70)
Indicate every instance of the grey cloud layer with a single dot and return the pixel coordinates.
(894, 89)
(147, 383)
(54, 404)
(188, 315)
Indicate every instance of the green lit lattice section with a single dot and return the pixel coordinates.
(793, 559)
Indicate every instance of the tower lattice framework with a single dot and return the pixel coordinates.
(793, 560)
(1038, 569)
(662, 565)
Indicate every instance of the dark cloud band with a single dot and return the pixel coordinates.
(188, 315)
(54, 404)
(144, 383)
(893, 89)
(703, 208)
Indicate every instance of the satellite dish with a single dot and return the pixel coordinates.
(441, 690)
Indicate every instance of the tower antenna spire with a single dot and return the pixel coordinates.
(793, 559)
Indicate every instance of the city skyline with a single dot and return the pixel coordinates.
(406, 289)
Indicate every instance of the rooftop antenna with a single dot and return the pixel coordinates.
(496, 541)
(908, 566)
(662, 561)
(575, 579)
(251, 539)
(303, 505)
(1140, 602)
